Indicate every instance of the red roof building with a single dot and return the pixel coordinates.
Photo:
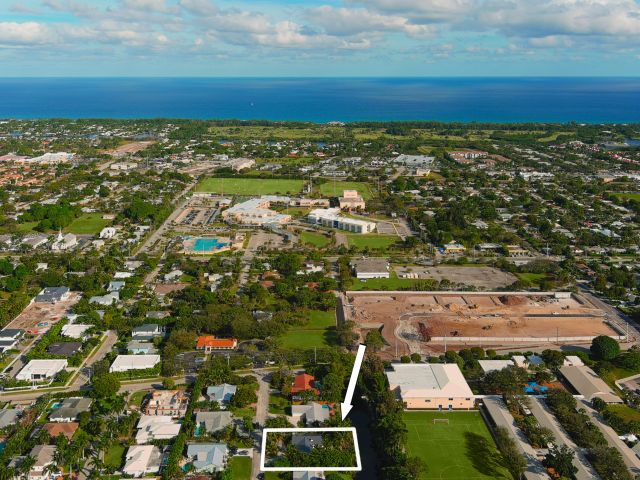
(303, 382)
(209, 343)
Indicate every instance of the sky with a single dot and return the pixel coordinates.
(334, 38)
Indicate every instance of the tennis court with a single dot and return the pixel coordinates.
(460, 449)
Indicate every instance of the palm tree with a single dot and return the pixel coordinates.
(25, 466)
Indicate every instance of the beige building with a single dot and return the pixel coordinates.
(351, 200)
(431, 386)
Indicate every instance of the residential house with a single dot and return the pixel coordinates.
(43, 456)
(70, 409)
(53, 295)
(75, 330)
(221, 393)
(208, 457)
(305, 443)
(136, 347)
(148, 331)
(64, 349)
(67, 429)
(308, 475)
(105, 300)
(107, 232)
(156, 427)
(310, 413)
(37, 370)
(304, 382)
(141, 460)
(124, 363)
(8, 416)
(167, 402)
(212, 422)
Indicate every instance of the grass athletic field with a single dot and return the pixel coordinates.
(87, 224)
(250, 186)
(319, 332)
(327, 189)
(463, 449)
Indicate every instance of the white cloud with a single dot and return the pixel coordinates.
(25, 33)
(351, 21)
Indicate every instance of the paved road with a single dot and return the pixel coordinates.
(258, 239)
(615, 314)
(547, 420)
(630, 459)
(262, 413)
(155, 236)
(85, 369)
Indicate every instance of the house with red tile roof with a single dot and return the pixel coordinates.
(303, 382)
(209, 343)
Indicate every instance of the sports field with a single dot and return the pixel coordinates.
(250, 186)
(319, 332)
(327, 189)
(87, 224)
(463, 449)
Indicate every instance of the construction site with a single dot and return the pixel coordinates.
(424, 322)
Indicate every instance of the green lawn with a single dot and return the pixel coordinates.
(136, 398)
(391, 283)
(240, 468)
(87, 224)
(26, 227)
(244, 412)
(628, 196)
(114, 454)
(371, 240)
(250, 186)
(327, 189)
(315, 239)
(319, 332)
(627, 413)
(278, 405)
(532, 278)
(463, 449)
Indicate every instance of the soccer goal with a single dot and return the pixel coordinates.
(441, 420)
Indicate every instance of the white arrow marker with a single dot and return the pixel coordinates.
(346, 405)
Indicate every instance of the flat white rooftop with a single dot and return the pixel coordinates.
(421, 380)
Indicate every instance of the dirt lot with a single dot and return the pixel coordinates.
(465, 314)
(129, 148)
(484, 278)
(43, 313)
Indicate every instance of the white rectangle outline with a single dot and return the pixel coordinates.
(263, 450)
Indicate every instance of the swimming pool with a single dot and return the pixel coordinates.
(208, 244)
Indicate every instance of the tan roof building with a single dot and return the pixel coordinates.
(351, 200)
(588, 384)
(431, 386)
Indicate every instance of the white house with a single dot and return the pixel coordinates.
(156, 427)
(107, 232)
(37, 370)
(141, 460)
(124, 363)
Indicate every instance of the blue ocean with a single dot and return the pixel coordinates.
(587, 100)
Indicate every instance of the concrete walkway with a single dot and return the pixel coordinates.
(547, 420)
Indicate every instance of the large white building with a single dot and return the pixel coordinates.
(37, 370)
(330, 217)
(434, 386)
(256, 211)
(124, 363)
(156, 427)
